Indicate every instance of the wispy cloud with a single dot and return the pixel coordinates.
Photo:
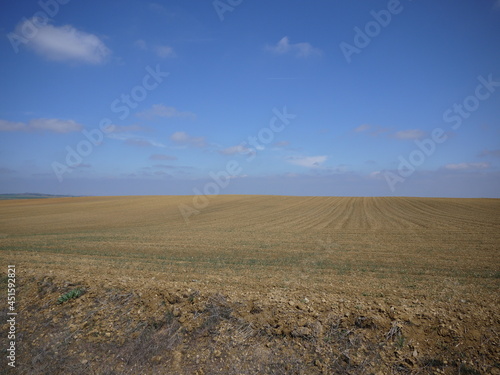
(376, 175)
(133, 140)
(124, 128)
(466, 166)
(494, 153)
(162, 157)
(165, 52)
(233, 150)
(362, 128)
(308, 161)
(142, 142)
(141, 44)
(179, 170)
(160, 110)
(42, 124)
(182, 138)
(370, 129)
(11, 126)
(409, 134)
(81, 166)
(164, 166)
(281, 144)
(161, 173)
(161, 50)
(157, 8)
(66, 43)
(303, 49)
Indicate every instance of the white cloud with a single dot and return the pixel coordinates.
(298, 49)
(465, 166)
(187, 140)
(141, 142)
(162, 157)
(81, 165)
(161, 173)
(280, 144)
(409, 134)
(123, 128)
(157, 8)
(133, 140)
(65, 43)
(362, 128)
(164, 166)
(372, 130)
(55, 125)
(494, 153)
(162, 51)
(11, 126)
(141, 44)
(165, 51)
(159, 110)
(376, 175)
(308, 161)
(42, 124)
(233, 150)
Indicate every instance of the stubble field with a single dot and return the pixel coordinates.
(255, 285)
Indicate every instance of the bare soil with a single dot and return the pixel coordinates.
(254, 285)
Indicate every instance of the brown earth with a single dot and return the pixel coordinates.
(254, 285)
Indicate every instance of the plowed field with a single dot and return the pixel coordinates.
(254, 285)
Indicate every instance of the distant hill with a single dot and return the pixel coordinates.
(31, 196)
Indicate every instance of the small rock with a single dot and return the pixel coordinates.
(301, 306)
(301, 332)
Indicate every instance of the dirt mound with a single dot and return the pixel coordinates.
(165, 329)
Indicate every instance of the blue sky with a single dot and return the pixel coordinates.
(375, 98)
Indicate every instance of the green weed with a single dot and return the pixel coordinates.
(73, 294)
